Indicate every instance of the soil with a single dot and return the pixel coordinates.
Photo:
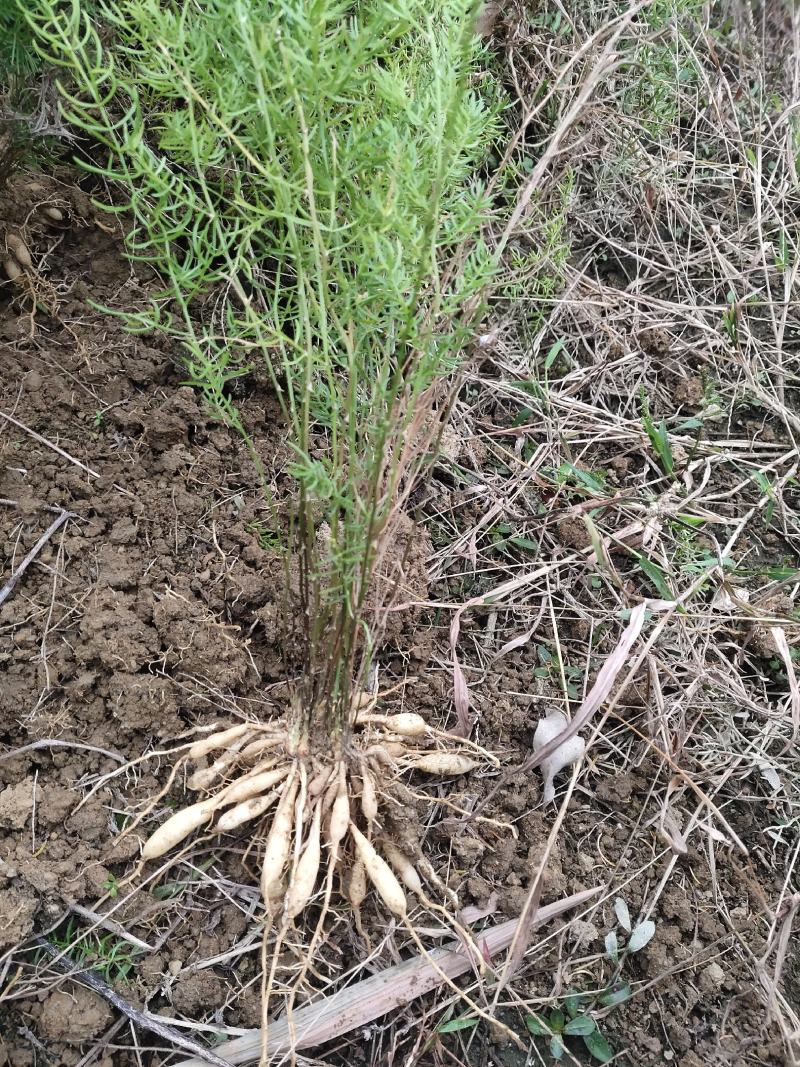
(154, 610)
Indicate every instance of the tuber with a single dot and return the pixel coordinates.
(564, 756)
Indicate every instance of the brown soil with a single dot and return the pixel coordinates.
(154, 609)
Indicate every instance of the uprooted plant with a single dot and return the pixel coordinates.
(301, 175)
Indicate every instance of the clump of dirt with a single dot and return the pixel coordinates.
(129, 626)
(195, 994)
(17, 907)
(72, 1015)
(16, 804)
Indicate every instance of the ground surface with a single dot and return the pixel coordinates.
(155, 608)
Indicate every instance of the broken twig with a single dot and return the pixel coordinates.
(49, 444)
(56, 524)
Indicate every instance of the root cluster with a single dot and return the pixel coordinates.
(314, 809)
(319, 814)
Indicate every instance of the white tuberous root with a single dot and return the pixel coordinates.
(312, 805)
(569, 752)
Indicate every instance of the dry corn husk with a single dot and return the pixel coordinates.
(355, 1006)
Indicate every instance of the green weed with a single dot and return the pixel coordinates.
(574, 1023)
(534, 272)
(730, 318)
(17, 56)
(577, 1017)
(331, 195)
(111, 886)
(659, 439)
(109, 956)
(568, 474)
(266, 538)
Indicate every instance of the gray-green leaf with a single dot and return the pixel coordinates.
(599, 1047)
(580, 1026)
(456, 1024)
(615, 996)
(612, 945)
(622, 913)
(573, 1002)
(556, 1020)
(642, 935)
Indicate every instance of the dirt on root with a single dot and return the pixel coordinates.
(155, 609)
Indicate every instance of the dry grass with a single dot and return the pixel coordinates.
(680, 303)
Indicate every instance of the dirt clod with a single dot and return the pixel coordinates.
(73, 1015)
(17, 909)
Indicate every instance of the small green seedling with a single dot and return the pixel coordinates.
(659, 439)
(655, 574)
(111, 886)
(640, 935)
(576, 1018)
(782, 252)
(730, 318)
(766, 487)
(109, 956)
(576, 1022)
(452, 1026)
(568, 474)
(267, 539)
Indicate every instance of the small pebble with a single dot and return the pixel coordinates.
(714, 974)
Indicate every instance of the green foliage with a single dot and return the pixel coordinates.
(640, 935)
(111, 886)
(534, 272)
(577, 1018)
(691, 555)
(17, 65)
(662, 67)
(27, 134)
(267, 539)
(111, 957)
(451, 1026)
(730, 318)
(300, 172)
(659, 438)
(577, 1022)
(18, 57)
